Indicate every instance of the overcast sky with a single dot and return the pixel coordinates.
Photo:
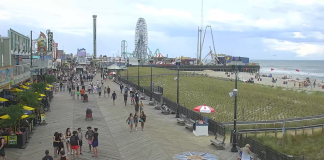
(259, 29)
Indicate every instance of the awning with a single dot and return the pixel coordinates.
(3, 99)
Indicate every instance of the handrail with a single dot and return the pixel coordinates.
(279, 129)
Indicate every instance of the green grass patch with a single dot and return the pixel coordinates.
(259, 102)
(310, 145)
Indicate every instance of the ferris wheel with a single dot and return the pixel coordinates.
(141, 40)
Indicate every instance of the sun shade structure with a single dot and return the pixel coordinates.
(42, 95)
(27, 83)
(7, 116)
(39, 99)
(50, 85)
(28, 108)
(204, 109)
(3, 99)
(47, 88)
(16, 90)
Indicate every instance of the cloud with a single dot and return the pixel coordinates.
(301, 49)
(252, 29)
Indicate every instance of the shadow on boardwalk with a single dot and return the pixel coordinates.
(161, 139)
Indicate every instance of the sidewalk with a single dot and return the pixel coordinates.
(161, 139)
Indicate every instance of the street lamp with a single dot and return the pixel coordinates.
(151, 98)
(178, 62)
(138, 84)
(236, 67)
(127, 71)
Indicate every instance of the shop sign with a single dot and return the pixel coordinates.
(5, 76)
(12, 140)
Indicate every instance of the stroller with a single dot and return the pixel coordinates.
(85, 98)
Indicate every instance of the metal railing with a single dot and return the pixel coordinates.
(213, 126)
(262, 151)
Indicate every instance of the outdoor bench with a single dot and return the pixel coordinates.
(219, 141)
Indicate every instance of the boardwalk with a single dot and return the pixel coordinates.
(161, 139)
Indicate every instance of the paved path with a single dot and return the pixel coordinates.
(161, 139)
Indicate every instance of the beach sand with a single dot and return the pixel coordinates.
(266, 80)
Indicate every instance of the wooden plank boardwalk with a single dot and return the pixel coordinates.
(161, 139)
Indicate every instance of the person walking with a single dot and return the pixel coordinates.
(125, 98)
(121, 87)
(80, 139)
(68, 135)
(130, 121)
(95, 142)
(114, 96)
(142, 119)
(135, 121)
(136, 107)
(73, 92)
(99, 91)
(47, 156)
(2, 150)
(74, 141)
(141, 107)
(136, 98)
(88, 136)
(108, 91)
(56, 141)
(63, 156)
(61, 143)
(105, 92)
(82, 92)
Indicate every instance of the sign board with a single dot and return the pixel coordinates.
(12, 140)
(43, 117)
(41, 43)
(50, 41)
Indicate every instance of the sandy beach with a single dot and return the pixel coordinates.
(268, 81)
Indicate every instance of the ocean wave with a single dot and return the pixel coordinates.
(289, 72)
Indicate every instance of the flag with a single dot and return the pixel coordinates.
(272, 69)
(297, 70)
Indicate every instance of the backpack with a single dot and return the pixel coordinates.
(73, 141)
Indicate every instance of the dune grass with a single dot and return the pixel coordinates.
(259, 102)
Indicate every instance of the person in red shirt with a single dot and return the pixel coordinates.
(82, 93)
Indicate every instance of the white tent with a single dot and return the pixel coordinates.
(114, 67)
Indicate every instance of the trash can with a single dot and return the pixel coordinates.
(85, 98)
(89, 114)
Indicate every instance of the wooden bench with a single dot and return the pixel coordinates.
(182, 120)
(219, 141)
(189, 124)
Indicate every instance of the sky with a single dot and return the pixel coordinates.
(259, 29)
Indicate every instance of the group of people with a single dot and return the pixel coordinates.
(71, 143)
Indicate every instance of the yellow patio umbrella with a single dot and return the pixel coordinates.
(24, 116)
(28, 108)
(25, 87)
(27, 83)
(3, 99)
(47, 88)
(42, 95)
(50, 85)
(16, 90)
(39, 99)
(5, 117)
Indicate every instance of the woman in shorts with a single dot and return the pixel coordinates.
(130, 121)
(95, 142)
(68, 135)
(56, 142)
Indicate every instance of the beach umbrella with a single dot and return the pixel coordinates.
(39, 99)
(50, 85)
(42, 95)
(47, 88)
(28, 108)
(27, 83)
(24, 116)
(204, 109)
(3, 99)
(7, 116)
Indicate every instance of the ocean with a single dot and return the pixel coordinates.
(313, 69)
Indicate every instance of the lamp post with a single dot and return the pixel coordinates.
(236, 67)
(151, 98)
(178, 62)
(138, 81)
(127, 71)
